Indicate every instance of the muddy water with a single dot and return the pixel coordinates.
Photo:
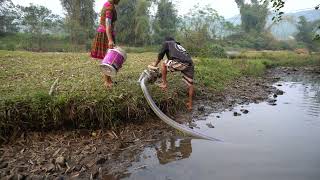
(274, 140)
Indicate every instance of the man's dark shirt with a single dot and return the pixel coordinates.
(175, 51)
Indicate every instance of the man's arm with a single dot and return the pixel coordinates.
(164, 50)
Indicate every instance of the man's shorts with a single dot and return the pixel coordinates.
(186, 69)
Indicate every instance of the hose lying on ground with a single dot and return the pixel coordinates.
(147, 75)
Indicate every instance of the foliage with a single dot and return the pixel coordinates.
(8, 17)
(80, 20)
(165, 22)
(277, 5)
(202, 31)
(125, 28)
(253, 16)
(142, 23)
(258, 41)
(199, 31)
(204, 19)
(37, 20)
(305, 33)
(137, 31)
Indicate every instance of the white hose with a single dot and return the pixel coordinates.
(142, 80)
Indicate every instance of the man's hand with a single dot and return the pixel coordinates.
(152, 66)
(111, 45)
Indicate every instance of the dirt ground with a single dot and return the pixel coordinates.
(87, 154)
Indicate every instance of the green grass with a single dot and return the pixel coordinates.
(81, 100)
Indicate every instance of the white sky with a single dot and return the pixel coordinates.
(226, 8)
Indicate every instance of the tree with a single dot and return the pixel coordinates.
(305, 33)
(166, 20)
(253, 16)
(200, 30)
(142, 23)
(125, 25)
(38, 20)
(80, 19)
(203, 21)
(8, 17)
(133, 25)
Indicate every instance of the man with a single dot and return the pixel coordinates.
(178, 59)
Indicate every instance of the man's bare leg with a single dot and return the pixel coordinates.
(191, 93)
(164, 84)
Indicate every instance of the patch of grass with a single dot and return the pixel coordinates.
(282, 58)
(215, 73)
(81, 101)
(254, 67)
(141, 49)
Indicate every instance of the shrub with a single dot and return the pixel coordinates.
(10, 47)
(212, 50)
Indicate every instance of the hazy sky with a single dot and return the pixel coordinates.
(226, 8)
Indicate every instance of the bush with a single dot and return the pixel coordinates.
(198, 44)
(258, 41)
(212, 50)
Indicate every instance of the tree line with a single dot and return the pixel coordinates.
(144, 23)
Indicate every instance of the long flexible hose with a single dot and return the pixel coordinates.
(142, 80)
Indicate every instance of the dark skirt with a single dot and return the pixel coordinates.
(99, 46)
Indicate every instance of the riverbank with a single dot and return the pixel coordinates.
(80, 101)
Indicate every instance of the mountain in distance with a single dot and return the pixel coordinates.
(286, 28)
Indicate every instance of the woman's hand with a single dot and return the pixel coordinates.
(111, 45)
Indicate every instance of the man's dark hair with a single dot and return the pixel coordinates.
(169, 38)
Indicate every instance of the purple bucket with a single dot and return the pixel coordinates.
(113, 61)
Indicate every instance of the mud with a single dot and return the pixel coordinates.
(87, 154)
(78, 155)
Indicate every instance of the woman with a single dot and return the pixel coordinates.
(105, 37)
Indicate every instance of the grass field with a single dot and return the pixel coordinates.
(81, 101)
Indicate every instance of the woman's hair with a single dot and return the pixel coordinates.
(114, 1)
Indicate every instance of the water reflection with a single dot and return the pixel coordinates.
(309, 86)
(173, 150)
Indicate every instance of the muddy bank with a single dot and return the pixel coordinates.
(106, 155)
(80, 154)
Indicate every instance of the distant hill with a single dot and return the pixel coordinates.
(286, 28)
